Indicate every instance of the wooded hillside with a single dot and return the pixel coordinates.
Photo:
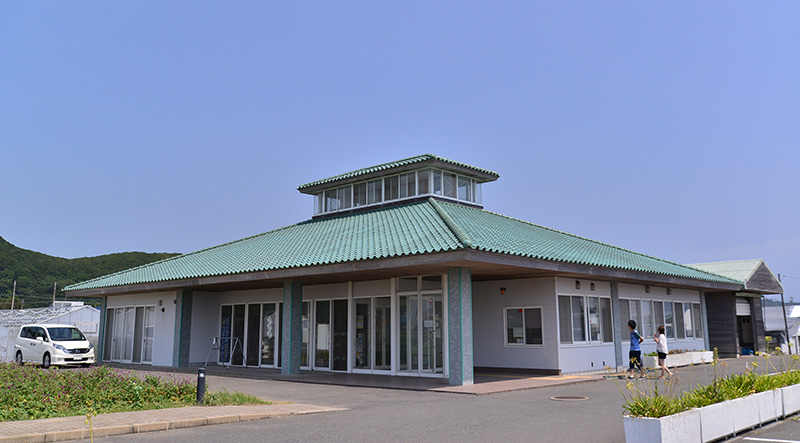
(35, 273)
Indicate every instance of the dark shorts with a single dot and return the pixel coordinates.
(662, 356)
(635, 358)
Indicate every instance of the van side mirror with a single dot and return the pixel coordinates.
(40, 338)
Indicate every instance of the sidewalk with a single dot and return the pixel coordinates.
(104, 425)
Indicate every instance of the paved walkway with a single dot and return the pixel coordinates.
(76, 428)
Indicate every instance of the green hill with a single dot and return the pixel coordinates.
(35, 273)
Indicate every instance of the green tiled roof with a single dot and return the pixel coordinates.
(412, 229)
(392, 165)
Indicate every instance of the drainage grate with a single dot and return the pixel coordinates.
(569, 398)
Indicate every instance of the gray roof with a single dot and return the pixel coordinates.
(755, 275)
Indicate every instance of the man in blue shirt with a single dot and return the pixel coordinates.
(635, 354)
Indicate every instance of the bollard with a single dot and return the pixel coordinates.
(201, 385)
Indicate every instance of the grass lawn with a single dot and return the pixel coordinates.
(30, 392)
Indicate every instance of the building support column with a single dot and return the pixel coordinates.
(183, 328)
(459, 327)
(101, 335)
(617, 320)
(704, 315)
(292, 327)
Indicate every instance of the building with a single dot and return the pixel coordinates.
(776, 326)
(84, 317)
(400, 271)
(735, 318)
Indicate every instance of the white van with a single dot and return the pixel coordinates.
(61, 345)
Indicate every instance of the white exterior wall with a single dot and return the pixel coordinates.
(164, 335)
(580, 357)
(205, 326)
(488, 323)
(638, 292)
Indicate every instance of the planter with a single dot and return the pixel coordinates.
(744, 412)
(684, 359)
(770, 405)
(791, 399)
(677, 428)
(716, 421)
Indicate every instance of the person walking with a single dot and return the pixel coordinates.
(635, 353)
(662, 350)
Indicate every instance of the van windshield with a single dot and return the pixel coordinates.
(66, 334)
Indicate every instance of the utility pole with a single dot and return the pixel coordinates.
(785, 322)
(54, 296)
(13, 295)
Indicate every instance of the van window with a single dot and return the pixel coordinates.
(66, 334)
(40, 333)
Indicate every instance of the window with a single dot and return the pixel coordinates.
(593, 304)
(423, 178)
(578, 319)
(687, 319)
(524, 326)
(408, 186)
(636, 314)
(678, 313)
(464, 188)
(625, 315)
(345, 195)
(605, 317)
(668, 318)
(658, 314)
(318, 203)
(697, 320)
(564, 319)
(331, 200)
(437, 182)
(449, 185)
(374, 191)
(360, 194)
(647, 319)
(390, 188)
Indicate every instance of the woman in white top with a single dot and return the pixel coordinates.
(661, 348)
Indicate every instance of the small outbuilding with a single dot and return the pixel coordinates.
(735, 318)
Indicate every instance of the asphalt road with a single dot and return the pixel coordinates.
(413, 416)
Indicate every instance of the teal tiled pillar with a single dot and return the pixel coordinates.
(459, 323)
(617, 320)
(101, 336)
(292, 327)
(183, 328)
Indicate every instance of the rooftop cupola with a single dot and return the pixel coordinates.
(398, 182)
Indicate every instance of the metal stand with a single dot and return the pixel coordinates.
(216, 345)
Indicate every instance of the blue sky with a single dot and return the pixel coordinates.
(668, 129)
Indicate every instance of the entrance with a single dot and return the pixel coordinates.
(373, 344)
(129, 334)
(421, 322)
(330, 335)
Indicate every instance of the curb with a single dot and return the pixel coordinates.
(136, 428)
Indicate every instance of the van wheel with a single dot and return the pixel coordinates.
(19, 358)
(46, 360)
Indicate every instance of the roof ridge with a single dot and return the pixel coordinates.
(593, 241)
(451, 224)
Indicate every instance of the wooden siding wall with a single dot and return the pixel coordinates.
(758, 325)
(722, 332)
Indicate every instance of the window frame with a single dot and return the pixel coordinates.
(602, 327)
(523, 310)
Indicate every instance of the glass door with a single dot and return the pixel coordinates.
(225, 331)
(383, 328)
(432, 344)
(253, 338)
(363, 356)
(339, 335)
(409, 333)
(237, 335)
(119, 328)
(269, 333)
(137, 335)
(322, 334)
(149, 333)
